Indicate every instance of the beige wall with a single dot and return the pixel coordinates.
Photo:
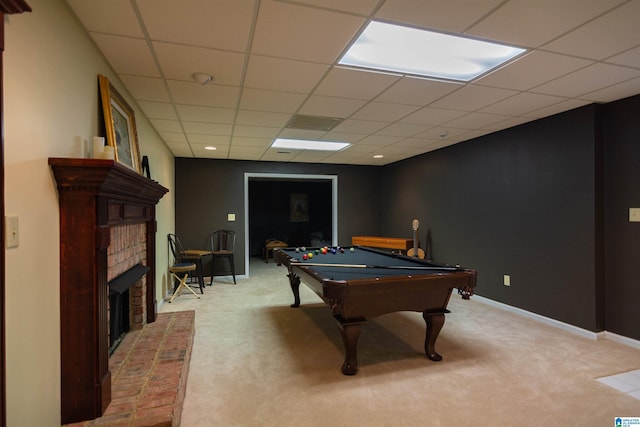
(51, 100)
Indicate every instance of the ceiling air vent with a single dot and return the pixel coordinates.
(300, 121)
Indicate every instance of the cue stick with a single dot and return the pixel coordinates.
(391, 267)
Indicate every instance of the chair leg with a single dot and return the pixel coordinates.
(200, 278)
(233, 268)
(183, 284)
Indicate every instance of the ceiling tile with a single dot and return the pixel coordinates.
(262, 118)
(212, 95)
(299, 32)
(471, 98)
(146, 89)
(476, 120)
(207, 128)
(127, 55)
(222, 24)
(256, 131)
(283, 74)
(173, 137)
(268, 100)
(114, 17)
(630, 58)
(432, 116)
(195, 113)
(360, 126)
(178, 62)
(363, 7)
(522, 104)
(587, 80)
(614, 92)
(356, 84)
(603, 37)
(330, 106)
(452, 15)
(162, 125)
(529, 23)
(383, 111)
(532, 70)
(204, 140)
(158, 110)
(417, 91)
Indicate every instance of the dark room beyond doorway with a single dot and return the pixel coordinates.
(295, 211)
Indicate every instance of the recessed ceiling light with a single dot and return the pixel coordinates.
(209, 147)
(394, 48)
(304, 144)
(378, 156)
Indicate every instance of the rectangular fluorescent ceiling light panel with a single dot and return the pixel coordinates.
(406, 50)
(303, 144)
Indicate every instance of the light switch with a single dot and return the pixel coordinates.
(231, 217)
(11, 232)
(634, 214)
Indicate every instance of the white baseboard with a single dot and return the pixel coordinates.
(622, 339)
(561, 325)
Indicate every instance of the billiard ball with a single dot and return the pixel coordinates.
(333, 251)
(324, 250)
(304, 256)
(303, 249)
(352, 249)
(310, 255)
(341, 250)
(297, 249)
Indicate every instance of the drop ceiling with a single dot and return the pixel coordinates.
(273, 59)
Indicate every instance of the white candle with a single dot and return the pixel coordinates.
(108, 153)
(98, 147)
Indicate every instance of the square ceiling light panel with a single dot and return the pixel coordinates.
(303, 144)
(406, 50)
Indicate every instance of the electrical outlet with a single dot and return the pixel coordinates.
(231, 217)
(507, 280)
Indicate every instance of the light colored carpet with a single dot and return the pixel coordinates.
(258, 362)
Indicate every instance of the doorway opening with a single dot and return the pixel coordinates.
(298, 209)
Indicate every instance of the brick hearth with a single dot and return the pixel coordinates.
(149, 371)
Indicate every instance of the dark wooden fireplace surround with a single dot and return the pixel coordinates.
(95, 195)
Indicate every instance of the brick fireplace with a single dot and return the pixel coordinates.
(126, 277)
(107, 228)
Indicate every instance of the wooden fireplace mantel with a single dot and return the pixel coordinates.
(95, 194)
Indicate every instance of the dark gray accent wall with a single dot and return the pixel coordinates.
(622, 241)
(207, 190)
(521, 202)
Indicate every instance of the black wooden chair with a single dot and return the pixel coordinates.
(180, 255)
(223, 243)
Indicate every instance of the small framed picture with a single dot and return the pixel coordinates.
(298, 207)
(120, 125)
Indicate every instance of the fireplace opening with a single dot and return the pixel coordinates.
(124, 302)
(118, 318)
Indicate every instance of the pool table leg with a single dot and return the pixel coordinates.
(350, 333)
(294, 282)
(435, 322)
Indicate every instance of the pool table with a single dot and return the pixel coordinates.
(359, 283)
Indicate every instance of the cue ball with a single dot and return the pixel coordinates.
(297, 249)
(352, 250)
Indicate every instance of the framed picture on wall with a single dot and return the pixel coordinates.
(120, 125)
(299, 207)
